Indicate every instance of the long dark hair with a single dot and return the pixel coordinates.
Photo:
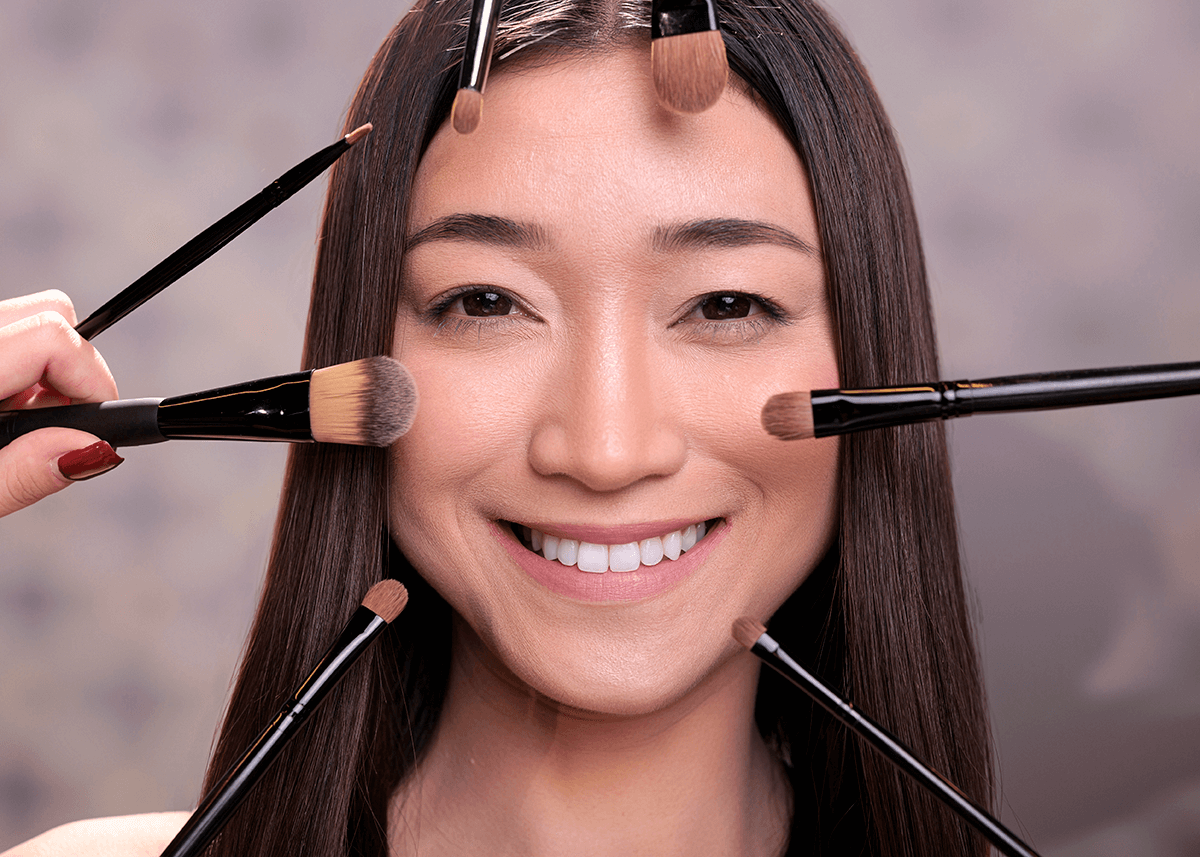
(883, 616)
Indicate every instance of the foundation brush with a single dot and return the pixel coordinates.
(687, 54)
(467, 109)
(215, 237)
(382, 604)
(820, 413)
(367, 402)
(754, 637)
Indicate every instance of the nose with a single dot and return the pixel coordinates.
(612, 418)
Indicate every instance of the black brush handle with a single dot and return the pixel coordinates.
(843, 411)
(481, 34)
(996, 833)
(274, 408)
(125, 422)
(216, 807)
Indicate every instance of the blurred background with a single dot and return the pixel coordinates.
(1053, 150)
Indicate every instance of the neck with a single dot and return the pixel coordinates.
(510, 771)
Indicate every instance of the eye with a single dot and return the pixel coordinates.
(731, 305)
(485, 303)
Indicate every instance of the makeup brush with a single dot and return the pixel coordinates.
(793, 416)
(367, 402)
(382, 604)
(467, 109)
(754, 637)
(687, 54)
(215, 237)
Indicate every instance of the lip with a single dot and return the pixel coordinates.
(644, 583)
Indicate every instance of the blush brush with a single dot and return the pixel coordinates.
(367, 402)
(687, 54)
(821, 413)
(754, 637)
(215, 237)
(383, 602)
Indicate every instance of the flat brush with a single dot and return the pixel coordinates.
(793, 416)
(467, 109)
(754, 637)
(367, 402)
(382, 604)
(687, 54)
(215, 237)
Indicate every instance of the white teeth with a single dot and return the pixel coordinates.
(593, 558)
(596, 558)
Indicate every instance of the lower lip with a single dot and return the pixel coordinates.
(645, 582)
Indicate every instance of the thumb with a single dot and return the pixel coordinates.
(40, 463)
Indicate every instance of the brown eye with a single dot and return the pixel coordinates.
(727, 306)
(487, 303)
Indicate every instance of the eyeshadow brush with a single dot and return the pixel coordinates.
(754, 637)
(367, 402)
(467, 110)
(382, 604)
(687, 54)
(821, 413)
(215, 237)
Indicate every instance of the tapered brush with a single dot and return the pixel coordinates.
(467, 110)
(367, 402)
(382, 604)
(820, 413)
(215, 237)
(687, 54)
(754, 637)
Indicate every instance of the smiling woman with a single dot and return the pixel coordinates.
(595, 297)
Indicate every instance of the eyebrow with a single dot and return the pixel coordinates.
(481, 228)
(721, 232)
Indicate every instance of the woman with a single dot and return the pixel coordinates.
(596, 297)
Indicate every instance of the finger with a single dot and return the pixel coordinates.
(43, 462)
(44, 346)
(51, 300)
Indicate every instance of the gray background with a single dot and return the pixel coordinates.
(1052, 148)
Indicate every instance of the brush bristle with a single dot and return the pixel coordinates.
(358, 133)
(467, 110)
(746, 631)
(386, 599)
(367, 402)
(789, 416)
(690, 70)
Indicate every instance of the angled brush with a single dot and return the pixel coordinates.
(820, 413)
(367, 402)
(467, 110)
(687, 54)
(215, 237)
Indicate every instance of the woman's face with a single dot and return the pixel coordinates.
(599, 297)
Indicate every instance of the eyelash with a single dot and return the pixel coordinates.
(740, 330)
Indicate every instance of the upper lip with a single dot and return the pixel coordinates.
(616, 535)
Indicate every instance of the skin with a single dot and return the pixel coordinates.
(594, 390)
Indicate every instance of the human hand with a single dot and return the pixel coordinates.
(43, 362)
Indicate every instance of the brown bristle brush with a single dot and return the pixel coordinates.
(687, 54)
(821, 413)
(367, 402)
(382, 604)
(467, 110)
(753, 636)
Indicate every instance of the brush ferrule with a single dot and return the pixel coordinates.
(842, 411)
(124, 422)
(273, 408)
(477, 54)
(680, 17)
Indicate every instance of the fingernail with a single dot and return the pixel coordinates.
(90, 461)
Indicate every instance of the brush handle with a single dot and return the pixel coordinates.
(481, 33)
(274, 408)
(214, 810)
(681, 17)
(126, 422)
(996, 833)
(843, 411)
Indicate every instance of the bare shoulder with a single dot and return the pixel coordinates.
(122, 836)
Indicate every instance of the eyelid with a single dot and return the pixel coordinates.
(442, 304)
(765, 305)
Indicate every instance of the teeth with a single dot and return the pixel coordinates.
(598, 559)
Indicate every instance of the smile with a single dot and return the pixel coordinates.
(626, 557)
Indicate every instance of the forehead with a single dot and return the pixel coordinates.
(584, 141)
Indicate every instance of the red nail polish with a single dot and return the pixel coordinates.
(90, 461)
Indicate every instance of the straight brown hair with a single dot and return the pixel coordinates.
(884, 615)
